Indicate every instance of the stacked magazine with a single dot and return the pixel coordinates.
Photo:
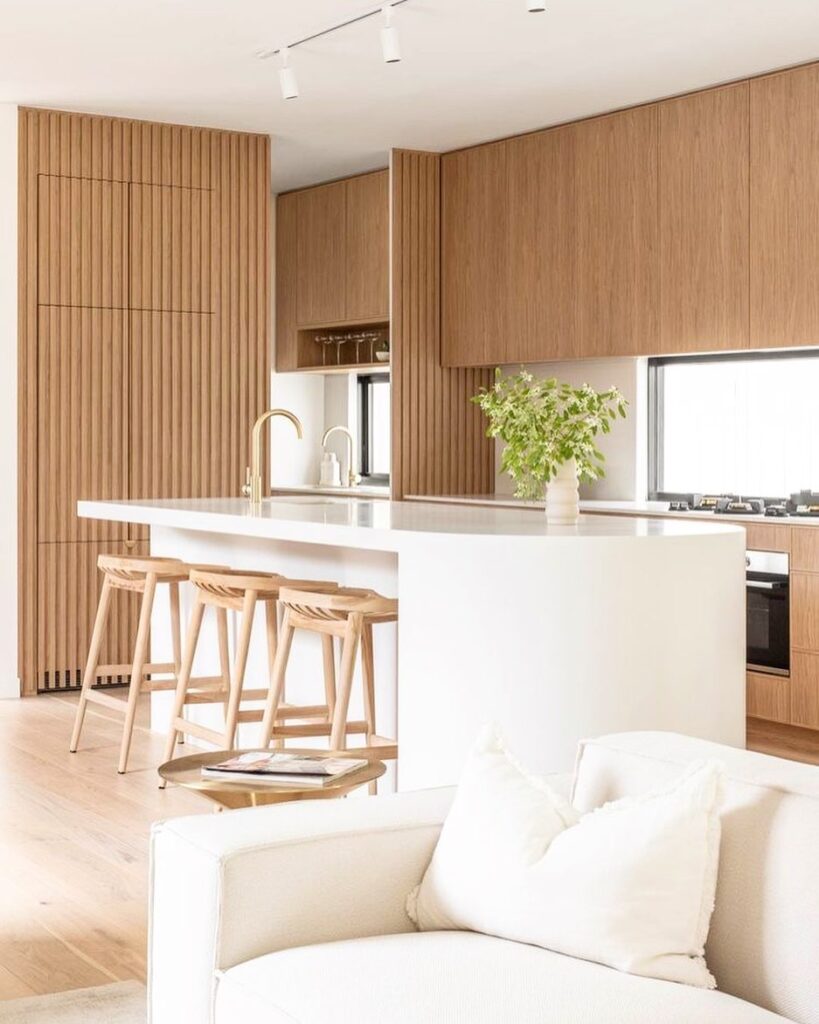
(281, 769)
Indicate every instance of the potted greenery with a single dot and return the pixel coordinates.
(548, 429)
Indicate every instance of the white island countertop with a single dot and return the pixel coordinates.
(376, 525)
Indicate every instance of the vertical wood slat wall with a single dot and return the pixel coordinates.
(144, 348)
(439, 445)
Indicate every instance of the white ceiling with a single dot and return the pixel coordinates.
(472, 69)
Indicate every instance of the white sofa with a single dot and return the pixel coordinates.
(295, 914)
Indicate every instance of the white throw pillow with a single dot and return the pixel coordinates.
(630, 885)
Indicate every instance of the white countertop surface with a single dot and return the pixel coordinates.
(360, 491)
(652, 509)
(377, 524)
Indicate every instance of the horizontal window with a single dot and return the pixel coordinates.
(744, 424)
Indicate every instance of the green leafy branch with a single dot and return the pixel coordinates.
(545, 423)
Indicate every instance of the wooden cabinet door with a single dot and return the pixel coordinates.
(617, 234)
(476, 303)
(185, 406)
(82, 409)
(321, 253)
(287, 281)
(367, 247)
(785, 208)
(82, 242)
(805, 689)
(704, 221)
(171, 249)
(542, 272)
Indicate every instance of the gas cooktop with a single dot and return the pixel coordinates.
(801, 503)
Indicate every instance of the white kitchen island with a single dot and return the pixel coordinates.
(553, 633)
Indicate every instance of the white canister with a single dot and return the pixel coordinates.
(330, 470)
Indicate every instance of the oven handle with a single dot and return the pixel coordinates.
(765, 585)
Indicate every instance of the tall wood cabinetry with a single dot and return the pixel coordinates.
(144, 355)
(680, 226)
(332, 263)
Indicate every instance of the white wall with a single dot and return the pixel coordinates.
(625, 447)
(9, 682)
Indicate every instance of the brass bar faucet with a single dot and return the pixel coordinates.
(253, 486)
(352, 477)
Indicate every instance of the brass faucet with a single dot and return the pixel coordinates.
(352, 477)
(253, 486)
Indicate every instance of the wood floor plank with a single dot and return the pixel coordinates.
(74, 849)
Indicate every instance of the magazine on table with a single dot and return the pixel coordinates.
(280, 769)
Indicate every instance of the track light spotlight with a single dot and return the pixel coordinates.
(390, 46)
(536, 6)
(287, 76)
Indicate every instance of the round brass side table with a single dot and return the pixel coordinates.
(187, 772)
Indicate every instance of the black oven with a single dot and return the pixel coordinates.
(768, 612)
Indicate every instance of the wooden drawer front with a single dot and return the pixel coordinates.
(765, 537)
(768, 697)
(805, 690)
(805, 548)
(805, 611)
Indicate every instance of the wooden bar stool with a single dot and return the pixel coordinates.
(350, 615)
(233, 590)
(139, 575)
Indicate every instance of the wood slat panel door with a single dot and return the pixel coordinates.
(704, 221)
(785, 208)
(542, 272)
(179, 429)
(321, 295)
(82, 242)
(82, 436)
(475, 256)
(617, 234)
(367, 255)
(171, 248)
(68, 585)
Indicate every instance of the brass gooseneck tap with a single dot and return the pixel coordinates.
(253, 486)
(352, 477)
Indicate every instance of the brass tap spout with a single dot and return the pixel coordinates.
(253, 486)
(352, 477)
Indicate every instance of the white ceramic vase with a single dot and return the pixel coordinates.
(563, 497)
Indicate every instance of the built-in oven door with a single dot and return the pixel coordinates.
(768, 615)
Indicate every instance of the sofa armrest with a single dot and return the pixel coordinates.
(226, 888)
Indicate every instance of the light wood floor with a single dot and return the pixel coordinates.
(74, 847)
(74, 842)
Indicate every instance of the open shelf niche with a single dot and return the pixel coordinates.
(328, 349)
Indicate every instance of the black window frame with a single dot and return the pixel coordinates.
(364, 382)
(656, 366)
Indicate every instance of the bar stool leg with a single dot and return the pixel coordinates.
(137, 668)
(191, 640)
(277, 675)
(239, 665)
(224, 654)
(329, 674)
(349, 650)
(176, 635)
(368, 680)
(89, 675)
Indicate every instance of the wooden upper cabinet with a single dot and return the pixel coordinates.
(82, 242)
(367, 247)
(616, 210)
(785, 208)
(287, 279)
(321, 254)
(704, 221)
(542, 272)
(475, 240)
